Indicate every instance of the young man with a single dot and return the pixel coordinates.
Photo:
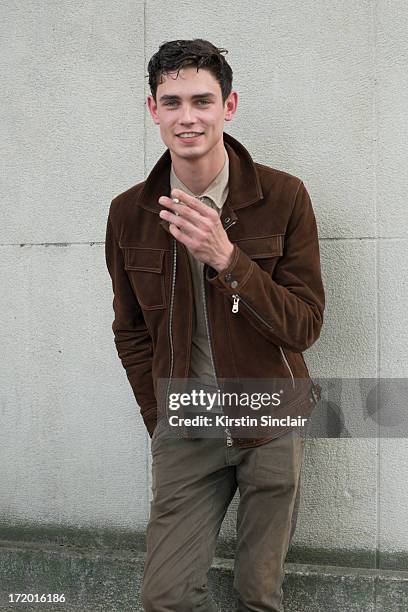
(215, 268)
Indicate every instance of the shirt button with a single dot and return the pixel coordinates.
(234, 284)
(228, 277)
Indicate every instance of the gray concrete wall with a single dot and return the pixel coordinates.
(322, 94)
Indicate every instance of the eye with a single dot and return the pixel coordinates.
(175, 102)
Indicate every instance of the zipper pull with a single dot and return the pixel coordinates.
(235, 304)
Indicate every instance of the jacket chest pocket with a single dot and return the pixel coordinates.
(145, 269)
(264, 250)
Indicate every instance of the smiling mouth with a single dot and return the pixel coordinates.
(189, 135)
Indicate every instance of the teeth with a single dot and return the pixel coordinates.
(189, 134)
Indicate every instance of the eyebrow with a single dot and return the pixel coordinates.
(207, 94)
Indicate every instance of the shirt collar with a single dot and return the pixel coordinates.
(217, 190)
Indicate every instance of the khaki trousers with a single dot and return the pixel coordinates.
(194, 481)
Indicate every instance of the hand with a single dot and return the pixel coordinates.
(199, 228)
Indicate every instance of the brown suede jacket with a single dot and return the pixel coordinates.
(262, 311)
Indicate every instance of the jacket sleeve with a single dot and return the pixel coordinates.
(287, 307)
(131, 337)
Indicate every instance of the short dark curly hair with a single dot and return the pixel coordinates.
(176, 54)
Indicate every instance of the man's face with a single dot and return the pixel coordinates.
(190, 112)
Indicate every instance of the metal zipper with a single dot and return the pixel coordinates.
(237, 298)
(173, 284)
(227, 431)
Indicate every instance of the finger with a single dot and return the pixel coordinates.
(174, 204)
(179, 208)
(193, 203)
(181, 236)
(179, 221)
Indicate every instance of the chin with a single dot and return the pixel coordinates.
(189, 152)
(190, 155)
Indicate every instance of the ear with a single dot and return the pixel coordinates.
(152, 106)
(231, 104)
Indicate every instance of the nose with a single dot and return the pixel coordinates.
(186, 115)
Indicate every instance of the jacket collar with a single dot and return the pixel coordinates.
(244, 182)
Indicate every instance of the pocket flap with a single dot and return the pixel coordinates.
(144, 259)
(262, 246)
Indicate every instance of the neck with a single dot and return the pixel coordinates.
(197, 174)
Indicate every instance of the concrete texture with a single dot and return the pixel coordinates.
(322, 94)
(391, 59)
(93, 580)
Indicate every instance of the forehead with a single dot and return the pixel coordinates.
(188, 81)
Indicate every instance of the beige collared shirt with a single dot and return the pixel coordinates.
(214, 196)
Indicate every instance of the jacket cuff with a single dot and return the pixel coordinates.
(231, 279)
